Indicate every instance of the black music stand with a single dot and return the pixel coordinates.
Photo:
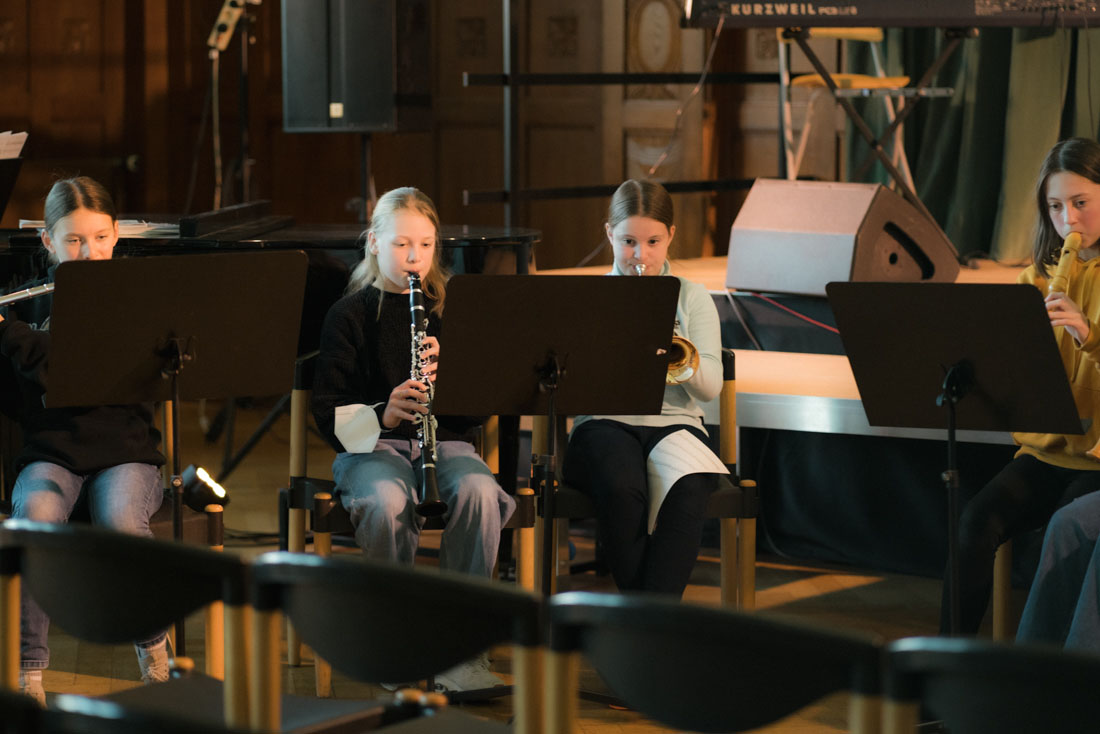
(550, 345)
(917, 348)
(165, 328)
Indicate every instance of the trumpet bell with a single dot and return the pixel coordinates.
(683, 361)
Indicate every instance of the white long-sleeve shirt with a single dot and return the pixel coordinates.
(696, 319)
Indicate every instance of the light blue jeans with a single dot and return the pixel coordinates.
(122, 497)
(380, 491)
(1063, 606)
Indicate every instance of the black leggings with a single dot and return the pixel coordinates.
(1022, 497)
(607, 461)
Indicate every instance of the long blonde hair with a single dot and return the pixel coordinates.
(367, 273)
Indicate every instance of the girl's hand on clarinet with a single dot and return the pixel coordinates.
(430, 357)
(406, 401)
(1064, 312)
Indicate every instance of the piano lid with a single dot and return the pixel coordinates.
(894, 13)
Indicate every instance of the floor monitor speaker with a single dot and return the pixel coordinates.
(796, 236)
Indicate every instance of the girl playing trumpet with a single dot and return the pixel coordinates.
(107, 454)
(1048, 471)
(616, 459)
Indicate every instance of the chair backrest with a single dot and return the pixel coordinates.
(378, 622)
(984, 687)
(385, 622)
(19, 714)
(707, 669)
(71, 714)
(107, 587)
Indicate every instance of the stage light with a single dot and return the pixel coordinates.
(200, 489)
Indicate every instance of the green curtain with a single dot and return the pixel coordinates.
(975, 154)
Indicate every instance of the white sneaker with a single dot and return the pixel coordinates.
(153, 662)
(472, 675)
(30, 683)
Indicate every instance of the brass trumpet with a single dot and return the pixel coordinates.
(683, 356)
(683, 361)
(23, 295)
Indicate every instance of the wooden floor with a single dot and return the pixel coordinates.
(890, 605)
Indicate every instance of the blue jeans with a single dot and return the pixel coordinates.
(122, 497)
(1062, 606)
(380, 491)
(1021, 497)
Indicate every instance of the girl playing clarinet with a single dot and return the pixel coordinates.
(367, 402)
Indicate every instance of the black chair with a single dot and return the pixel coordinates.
(384, 622)
(735, 503)
(701, 668)
(107, 587)
(19, 714)
(317, 499)
(983, 687)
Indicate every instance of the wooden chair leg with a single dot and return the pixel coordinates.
(9, 630)
(296, 543)
(235, 690)
(215, 612)
(524, 547)
(864, 714)
(728, 568)
(900, 717)
(215, 637)
(562, 682)
(264, 695)
(1002, 593)
(746, 556)
(296, 518)
(528, 689)
(542, 526)
(322, 671)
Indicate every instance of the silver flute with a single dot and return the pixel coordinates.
(16, 296)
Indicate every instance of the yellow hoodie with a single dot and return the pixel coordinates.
(1082, 365)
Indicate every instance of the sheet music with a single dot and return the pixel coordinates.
(676, 455)
(126, 228)
(11, 144)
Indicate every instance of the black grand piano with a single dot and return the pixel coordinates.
(332, 249)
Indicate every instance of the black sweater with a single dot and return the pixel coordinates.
(82, 440)
(365, 354)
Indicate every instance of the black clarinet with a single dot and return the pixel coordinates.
(430, 504)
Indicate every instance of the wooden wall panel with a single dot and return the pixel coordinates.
(67, 91)
(105, 84)
(468, 120)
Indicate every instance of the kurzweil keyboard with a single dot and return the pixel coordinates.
(894, 13)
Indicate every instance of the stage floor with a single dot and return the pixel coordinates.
(711, 272)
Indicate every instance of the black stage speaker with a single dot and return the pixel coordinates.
(356, 65)
(796, 236)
